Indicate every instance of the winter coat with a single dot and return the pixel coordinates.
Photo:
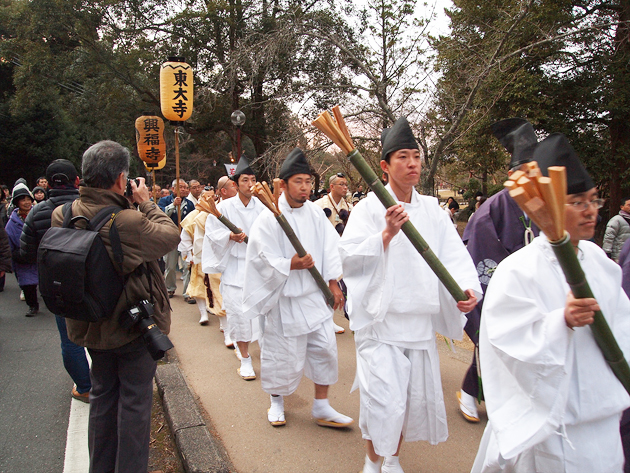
(146, 234)
(5, 251)
(26, 272)
(617, 232)
(38, 221)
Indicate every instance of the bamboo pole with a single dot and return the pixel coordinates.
(212, 208)
(576, 279)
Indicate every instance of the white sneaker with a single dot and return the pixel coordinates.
(246, 370)
(204, 319)
(467, 406)
(22, 298)
(391, 464)
(275, 414)
(339, 328)
(227, 340)
(326, 416)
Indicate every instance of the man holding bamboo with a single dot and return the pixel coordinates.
(396, 303)
(553, 402)
(224, 252)
(495, 231)
(298, 336)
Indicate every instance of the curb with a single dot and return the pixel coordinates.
(200, 451)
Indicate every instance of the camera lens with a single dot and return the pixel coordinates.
(157, 343)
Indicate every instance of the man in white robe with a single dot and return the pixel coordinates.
(553, 403)
(226, 255)
(298, 336)
(396, 303)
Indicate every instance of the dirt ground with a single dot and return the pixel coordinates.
(163, 455)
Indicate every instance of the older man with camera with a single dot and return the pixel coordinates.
(122, 366)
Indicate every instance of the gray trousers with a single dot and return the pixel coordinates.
(120, 409)
(171, 260)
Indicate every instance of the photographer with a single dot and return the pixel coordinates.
(122, 368)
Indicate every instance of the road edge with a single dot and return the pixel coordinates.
(200, 451)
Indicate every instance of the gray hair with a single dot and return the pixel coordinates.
(174, 183)
(103, 162)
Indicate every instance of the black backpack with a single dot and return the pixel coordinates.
(77, 278)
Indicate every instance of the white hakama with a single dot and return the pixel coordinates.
(396, 304)
(553, 403)
(298, 335)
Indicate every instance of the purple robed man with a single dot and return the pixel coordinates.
(496, 230)
(624, 262)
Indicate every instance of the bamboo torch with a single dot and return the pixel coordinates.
(209, 206)
(270, 200)
(542, 199)
(338, 133)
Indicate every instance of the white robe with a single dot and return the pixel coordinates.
(397, 282)
(269, 283)
(298, 336)
(396, 303)
(224, 255)
(553, 403)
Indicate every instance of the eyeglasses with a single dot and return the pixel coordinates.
(340, 174)
(582, 206)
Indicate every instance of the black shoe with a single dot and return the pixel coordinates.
(32, 311)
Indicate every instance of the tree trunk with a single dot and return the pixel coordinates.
(620, 111)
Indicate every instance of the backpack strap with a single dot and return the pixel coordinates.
(99, 220)
(66, 211)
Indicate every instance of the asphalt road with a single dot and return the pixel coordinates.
(34, 388)
(237, 409)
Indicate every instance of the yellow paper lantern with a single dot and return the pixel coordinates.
(176, 89)
(150, 138)
(155, 167)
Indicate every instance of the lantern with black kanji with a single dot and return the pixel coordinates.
(150, 139)
(176, 89)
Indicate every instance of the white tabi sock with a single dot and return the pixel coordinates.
(371, 467)
(322, 410)
(201, 305)
(391, 464)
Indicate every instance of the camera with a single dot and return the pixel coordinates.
(140, 316)
(129, 190)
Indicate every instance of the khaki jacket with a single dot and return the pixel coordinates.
(146, 234)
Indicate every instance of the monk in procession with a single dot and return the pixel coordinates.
(553, 402)
(298, 336)
(396, 304)
(496, 230)
(226, 255)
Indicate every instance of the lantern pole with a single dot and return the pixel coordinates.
(179, 207)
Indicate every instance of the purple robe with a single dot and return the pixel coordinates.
(494, 231)
(624, 262)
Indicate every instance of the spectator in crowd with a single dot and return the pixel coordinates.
(617, 231)
(122, 369)
(63, 180)
(170, 204)
(5, 256)
(39, 194)
(43, 183)
(26, 273)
